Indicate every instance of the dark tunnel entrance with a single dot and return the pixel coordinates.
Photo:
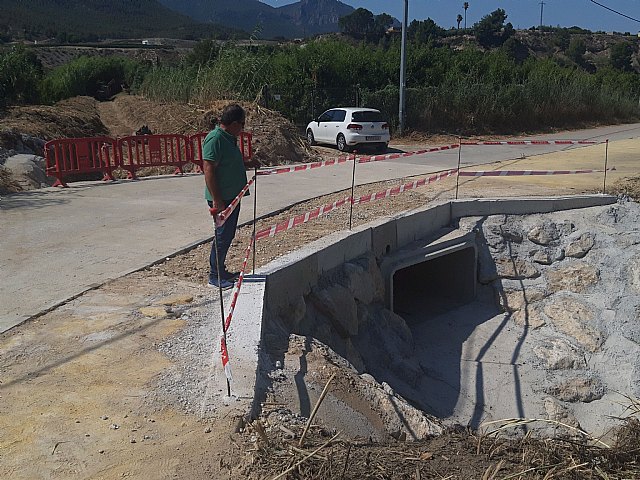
(435, 284)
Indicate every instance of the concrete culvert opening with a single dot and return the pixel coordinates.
(436, 285)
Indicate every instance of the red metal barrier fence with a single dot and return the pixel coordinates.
(138, 151)
(195, 147)
(72, 156)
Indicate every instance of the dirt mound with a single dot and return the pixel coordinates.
(275, 139)
(75, 117)
(628, 186)
(127, 113)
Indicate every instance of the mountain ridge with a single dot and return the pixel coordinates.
(94, 19)
(299, 19)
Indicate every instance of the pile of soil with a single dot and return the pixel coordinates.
(276, 140)
(74, 117)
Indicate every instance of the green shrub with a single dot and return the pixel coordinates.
(20, 74)
(89, 76)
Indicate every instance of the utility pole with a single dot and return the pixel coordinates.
(542, 4)
(403, 66)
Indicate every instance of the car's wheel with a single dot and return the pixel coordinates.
(310, 138)
(341, 143)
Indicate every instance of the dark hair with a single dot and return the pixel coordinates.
(232, 113)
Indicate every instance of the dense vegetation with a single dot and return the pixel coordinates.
(464, 89)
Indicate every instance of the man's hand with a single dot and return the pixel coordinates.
(219, 204)
(252, 164)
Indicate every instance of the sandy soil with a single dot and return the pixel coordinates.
(79, 394)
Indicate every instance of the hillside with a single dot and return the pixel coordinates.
(74, 20)
(300, 19)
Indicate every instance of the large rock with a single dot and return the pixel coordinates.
(575, 319)
(558, 354)
(578, 389)
(516, 269)
(530, 317)
(28, 171)
(294, 313)
(556, 412)
(544, 234)
(542, 257)
(363, 279)
(516, 299)
(338, 304)
(576, 278)
(580, 247)
(397, 325)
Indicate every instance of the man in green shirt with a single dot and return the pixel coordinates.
(225, 177)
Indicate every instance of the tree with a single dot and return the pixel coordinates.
(620, 56)
(204, 52)
(516, 50)
(20, 74)
(491, 30)
(459, 19)
(383, 22)
(424, 31)
(358, 23)
(576, 50)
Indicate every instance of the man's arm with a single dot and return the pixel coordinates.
(212, 184)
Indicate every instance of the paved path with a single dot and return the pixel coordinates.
(56, 243)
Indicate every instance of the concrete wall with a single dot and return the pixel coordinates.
(295, 274)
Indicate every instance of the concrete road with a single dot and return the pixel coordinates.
(57, 243)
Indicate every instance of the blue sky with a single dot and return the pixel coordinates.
(521, 13)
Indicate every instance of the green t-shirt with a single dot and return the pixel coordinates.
(221, 148)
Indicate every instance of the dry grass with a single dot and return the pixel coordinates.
(458, 454)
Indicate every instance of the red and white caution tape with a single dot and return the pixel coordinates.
(220, 218)
(532, 142)
(300, 219)
(225, 359)
(306, 166)
(306, 217)
(223, 344)
(515, 173)
(403, 188)
(363, 159)
(392, 156)
(227, 322)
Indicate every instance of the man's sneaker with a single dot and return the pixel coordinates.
(231, 276)
(223, 284)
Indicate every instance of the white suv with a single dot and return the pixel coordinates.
(350, 127)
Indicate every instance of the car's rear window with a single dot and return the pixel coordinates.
(368, 117)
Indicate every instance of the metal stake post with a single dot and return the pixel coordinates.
(353, 182)
(224, 330)
(255, 207)
(606, 161)
(459, 159)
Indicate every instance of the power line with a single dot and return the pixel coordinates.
(615, 11)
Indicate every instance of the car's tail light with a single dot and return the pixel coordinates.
(385, 126)
(354, 126)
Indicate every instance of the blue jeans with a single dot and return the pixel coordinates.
(224, 236)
